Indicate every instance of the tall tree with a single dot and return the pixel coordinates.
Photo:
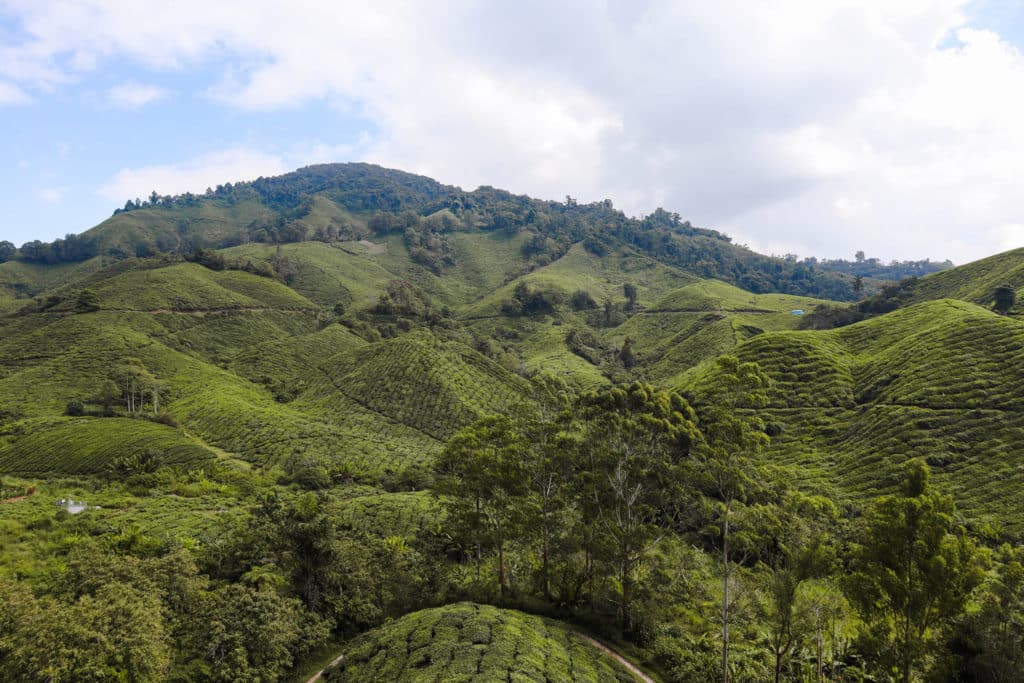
(726, 465)
(800, 553)
(915, 569)
(629, 471)
(482, 483)
(996, 630)
(545, 449)
(629, 289)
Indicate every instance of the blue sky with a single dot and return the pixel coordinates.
(817, 128)
(65, 148)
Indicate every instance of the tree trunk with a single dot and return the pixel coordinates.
(478, 553)
(501, 568)
(906, 653)
(544, 566)
(725, 595)
(819, 646)
(627, 595)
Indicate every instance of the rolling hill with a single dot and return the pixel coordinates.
(229, 375)
(469, 642)
(281, 354)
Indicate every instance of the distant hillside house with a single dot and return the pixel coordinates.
(797, 311)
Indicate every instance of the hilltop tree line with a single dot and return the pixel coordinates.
(872, 267)
(425, 213)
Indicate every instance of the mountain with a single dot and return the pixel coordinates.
(250, 390)
(350, 201)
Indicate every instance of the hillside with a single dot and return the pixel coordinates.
(975, 282)
(938, 380)
(275, 354)
(338, 202)
(475, 642)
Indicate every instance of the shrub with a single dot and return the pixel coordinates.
(582, 301)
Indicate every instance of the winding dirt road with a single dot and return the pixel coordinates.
(640, 675)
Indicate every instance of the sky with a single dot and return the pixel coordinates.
(811, 127)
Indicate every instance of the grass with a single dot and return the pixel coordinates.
(189, 286)
(702, 320)
(209, 222)
(23, 280)
(470, 642)
(35, 534)
(327, 274)
(599, 276)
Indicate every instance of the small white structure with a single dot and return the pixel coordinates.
(797, 311)
(72, 506)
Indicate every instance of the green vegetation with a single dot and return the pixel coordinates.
(90, 445)
(334, 406)
(465, 641)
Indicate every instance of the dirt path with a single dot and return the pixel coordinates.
(13, 500)
(316, 677)
(220, 453)
(640, 675)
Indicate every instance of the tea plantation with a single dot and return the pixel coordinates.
(469, 642)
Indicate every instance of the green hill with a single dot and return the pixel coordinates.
(469, 642)
(90, 445)
(938, 380)
(975, 282)
(252, 362)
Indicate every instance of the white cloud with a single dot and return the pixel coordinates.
(135, 95)
(192, 175)
(1011, 235)
(819, 126)
(12, 94)
(51, 195)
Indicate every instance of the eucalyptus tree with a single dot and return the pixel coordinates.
(482, 481)
(727, 462)
(635, 441)
(915, 568)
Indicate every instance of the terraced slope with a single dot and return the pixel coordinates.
(90, 445)
(975, 282)
(940, 380)
(18, 279)
(54, 357)
(702, 320)
(434, 386)
(470, 642)
(403, 514)
(345, 272)
(191, 287)
(599, 276)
